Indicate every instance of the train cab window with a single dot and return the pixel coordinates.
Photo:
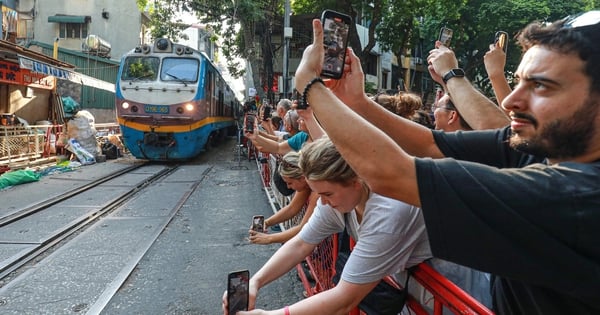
(179, 69)
(140, 68)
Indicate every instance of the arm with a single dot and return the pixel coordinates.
(268, 145)
(364, 145)
(314, 128)
(474, 107)
(413, 137)
(339, 300)
(289, 211)
(290, 254)
(268, 130)
(268, 136)
(284, 236)
(495, 61)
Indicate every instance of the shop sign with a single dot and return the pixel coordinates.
(12, 73)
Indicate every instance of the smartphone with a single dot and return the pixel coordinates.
(249, 123)
(501, 39)
(336, 27)
(258, 223)
(445, 36)
(237, 291)
(266, 112)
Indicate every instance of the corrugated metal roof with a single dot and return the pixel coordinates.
(96, 67)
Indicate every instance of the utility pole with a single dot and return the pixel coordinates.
(287, 35)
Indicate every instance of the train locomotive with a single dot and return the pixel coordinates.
(172, 102)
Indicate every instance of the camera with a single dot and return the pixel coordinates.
(336, 27)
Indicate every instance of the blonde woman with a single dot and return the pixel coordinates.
(390, 235)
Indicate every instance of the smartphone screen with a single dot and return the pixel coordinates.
(249, 123)
(502, 40)
(258, 223)
(445, 36)
(336, 27)
(237, 291)
(266, 112)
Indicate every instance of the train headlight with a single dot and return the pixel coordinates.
(180, 110)
(162, 44)
(189, 107)
(134, 109)
(125, 105)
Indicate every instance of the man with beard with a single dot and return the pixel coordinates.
(521, 202)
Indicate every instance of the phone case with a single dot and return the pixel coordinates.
(445, 36)
(258, 223)
(336, 28)
(501, 38)
(249, 123)
(237, 291)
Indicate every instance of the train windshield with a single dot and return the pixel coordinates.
(140, 68)
(179, 69)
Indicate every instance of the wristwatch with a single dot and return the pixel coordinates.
(458, 72)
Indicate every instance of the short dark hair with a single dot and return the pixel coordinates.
(562, 37)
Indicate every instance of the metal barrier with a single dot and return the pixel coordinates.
(19, 143)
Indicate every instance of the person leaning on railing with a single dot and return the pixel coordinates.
(293, 143)
(390, 235)
(303, 198)
(521, 201)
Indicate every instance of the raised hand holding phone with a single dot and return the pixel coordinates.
(445, 36)
(501, 40)
(336, 27)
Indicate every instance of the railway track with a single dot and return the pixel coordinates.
(54, 230)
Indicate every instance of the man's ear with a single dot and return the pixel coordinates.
(453, 117)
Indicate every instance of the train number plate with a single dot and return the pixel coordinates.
(156, 109)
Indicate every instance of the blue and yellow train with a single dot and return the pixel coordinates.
(172, 102)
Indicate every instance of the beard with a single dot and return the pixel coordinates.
(562, 138)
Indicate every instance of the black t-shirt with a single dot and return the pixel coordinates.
(535, 227)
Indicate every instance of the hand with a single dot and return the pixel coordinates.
(224, 303)
(495, 61)
(252, 294)
(350, 88)
(266, 124)
(441, 60)
(311, 63)
(251, 135)
(305, 113)
(259, 238)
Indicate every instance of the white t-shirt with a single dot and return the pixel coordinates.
(391, 237)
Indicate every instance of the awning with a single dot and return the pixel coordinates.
(61, 18)
(64, 74)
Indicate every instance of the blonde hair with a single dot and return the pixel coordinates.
(402, 104)
(320, 160)
(288, 166)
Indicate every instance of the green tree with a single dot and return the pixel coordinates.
(476, 23)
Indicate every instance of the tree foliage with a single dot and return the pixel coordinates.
(401, 26)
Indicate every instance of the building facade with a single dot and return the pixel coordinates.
(118, 23)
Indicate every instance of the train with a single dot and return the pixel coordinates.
(172, 102)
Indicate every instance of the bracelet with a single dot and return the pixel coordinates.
(286, 310)
(306, 89)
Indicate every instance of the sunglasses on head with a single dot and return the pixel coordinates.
(287, 164)
(585, 19)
